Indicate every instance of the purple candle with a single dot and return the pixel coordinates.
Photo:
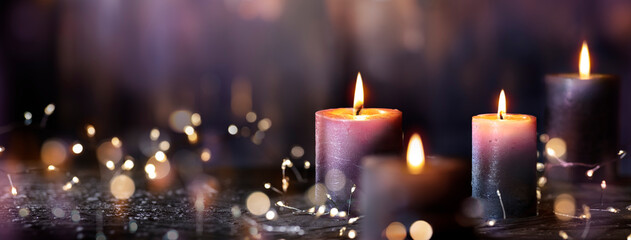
(345, 135)
(504, 157)
(582, 114)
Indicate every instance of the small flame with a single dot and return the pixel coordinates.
(583, 62)
(501, 106)
(416, 155)
(14, 191)
(603, 184)
(358, 103)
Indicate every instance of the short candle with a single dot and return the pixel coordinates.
(504, 157)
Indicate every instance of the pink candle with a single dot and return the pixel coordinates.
(504, 157)
(345, 135)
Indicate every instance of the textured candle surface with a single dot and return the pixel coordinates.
(343, 139)
(583, 112)
(504, 157)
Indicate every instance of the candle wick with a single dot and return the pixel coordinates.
(358, 109)
(501, 115)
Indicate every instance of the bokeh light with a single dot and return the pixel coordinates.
(50, 108)
(110, 165)
(106, 151)
(421, 230)
(396, 231)
(179, 119)
(316, 199)
(160, 169)
(90, 130)
(205, 155)
(556, 147)
(77, 148)
(265, 124)
(335, 180)
(297, 151)
(196, 119)
(250, 117)
(258, 203)
(116, 142)
(128, 165)
(154, 134)
(54, 152)
(122, 187)
(232, 129)
(564, 207)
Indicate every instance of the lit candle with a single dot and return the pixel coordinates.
(504, 157)
(345, 135)
(582, 112)
(423, 190)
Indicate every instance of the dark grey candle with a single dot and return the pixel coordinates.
(583, 112)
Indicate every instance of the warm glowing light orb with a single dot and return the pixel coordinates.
(396, 231)
(196, 119)
(250, 117)
(206, 155)
(421, 230)
(77, 148)
(128, 165)
(107, 151)
(265, 124)
(179, 119)
(556, 148)
(164, 145)
(258, 203)
(116, 142)
(154, 134)
(50, 108)
(160, 156)
(90, 130)
(53, 152)
(232, 129)
(122, 187)
(110, 165)
(564, 207)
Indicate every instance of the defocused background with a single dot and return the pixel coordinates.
(126, 66)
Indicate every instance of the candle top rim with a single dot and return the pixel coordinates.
(366, 114)
(577, 76)
(508, 117)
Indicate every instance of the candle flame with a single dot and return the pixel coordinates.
(603, 184)
(501, 106)
(358, 103)
(415, 155)
(583, 62)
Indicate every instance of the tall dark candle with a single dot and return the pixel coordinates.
(582, 110)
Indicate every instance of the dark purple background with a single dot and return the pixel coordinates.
(126, 65)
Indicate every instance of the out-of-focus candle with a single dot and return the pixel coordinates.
(345, 135)
(504, 157)
(429, 191)
(582, 112)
